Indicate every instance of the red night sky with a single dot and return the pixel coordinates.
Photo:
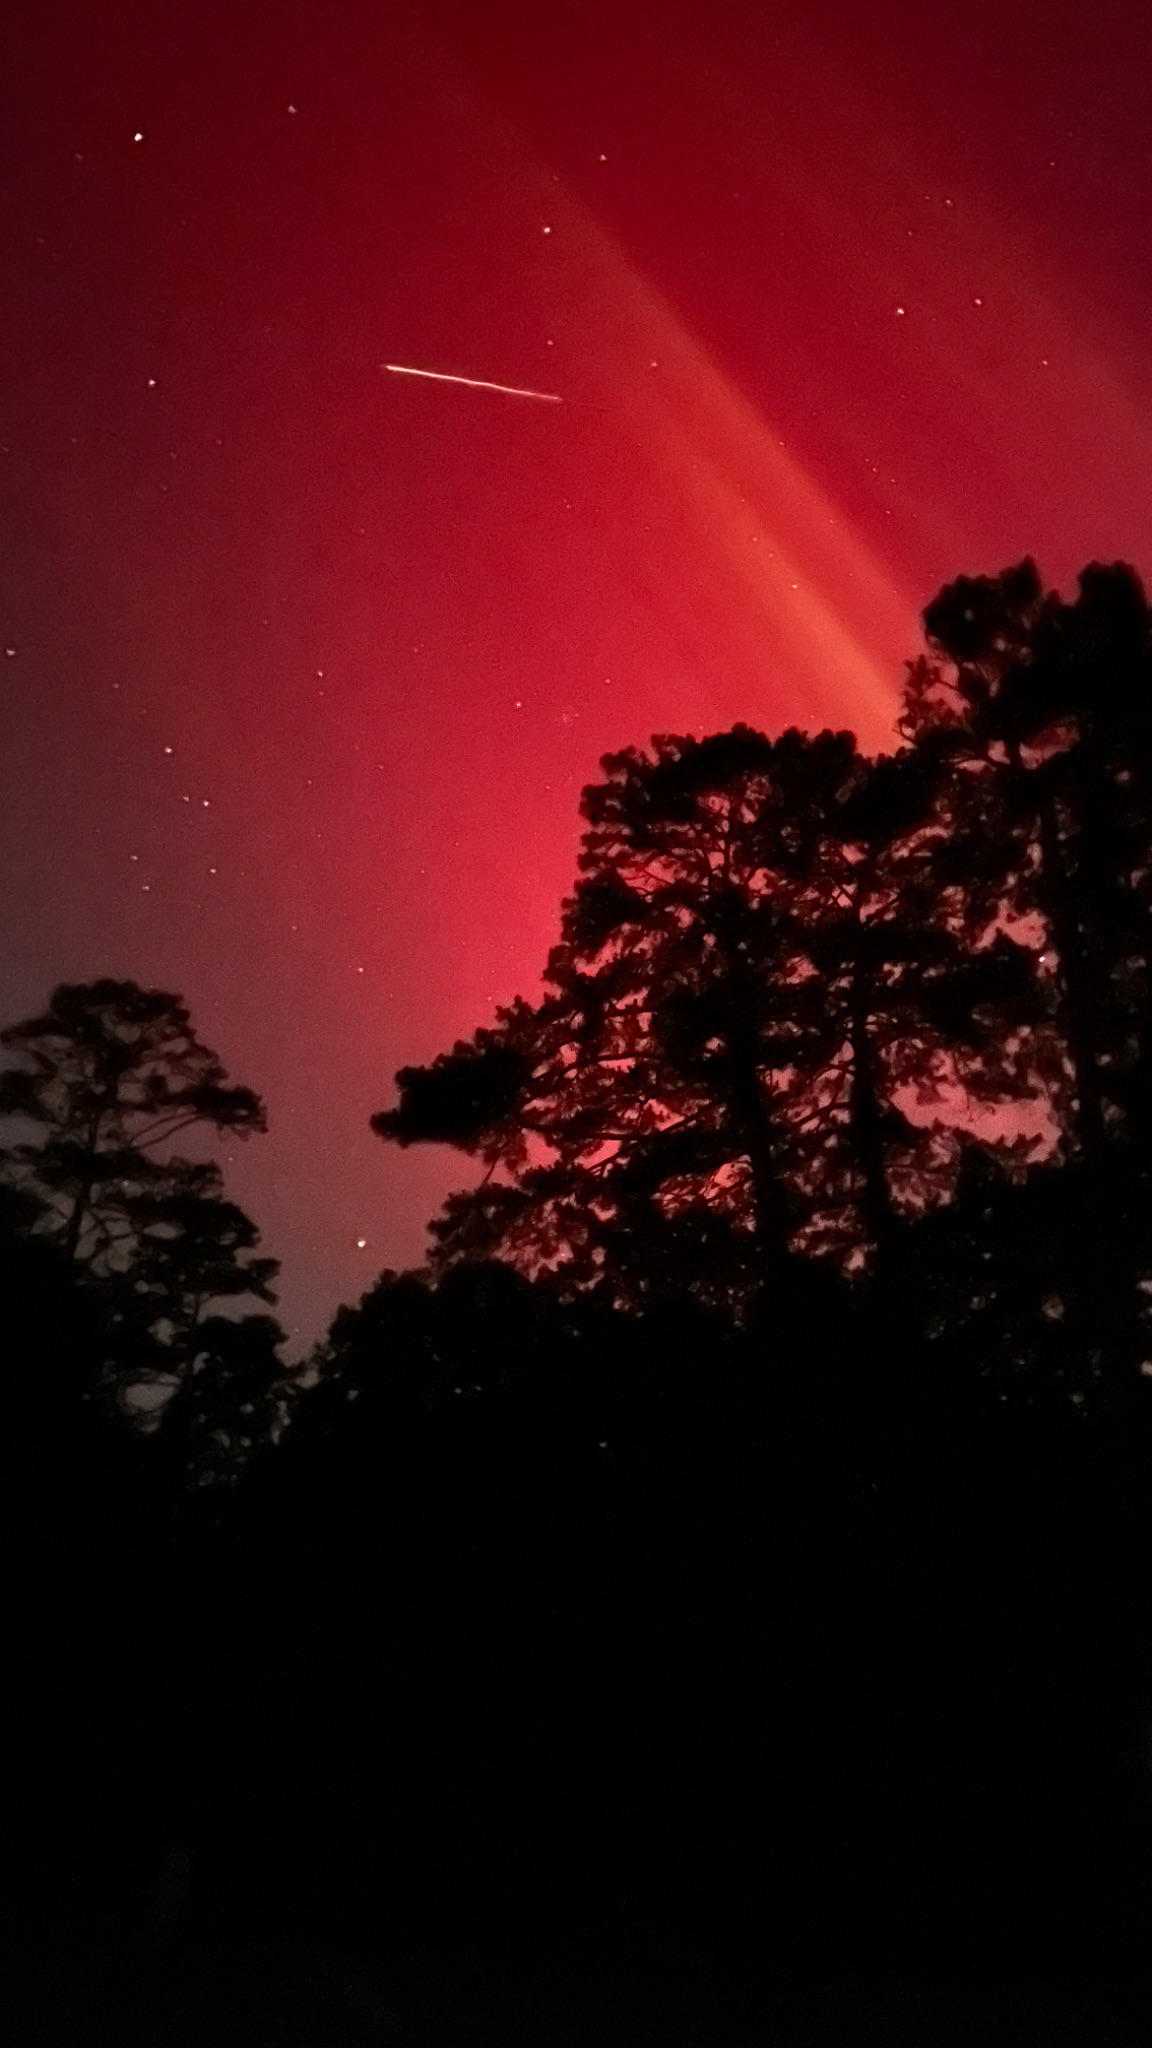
(305, 664)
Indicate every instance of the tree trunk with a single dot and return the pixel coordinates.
(81, 1206)
(1060, 911)
(752, 1119)
(865, 1124)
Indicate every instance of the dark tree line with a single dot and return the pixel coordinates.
(742, 1523)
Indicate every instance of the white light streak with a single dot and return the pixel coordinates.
(473, 383)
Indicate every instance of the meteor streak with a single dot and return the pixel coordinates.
(473, 383)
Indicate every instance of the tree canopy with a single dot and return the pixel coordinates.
(109, 1077)
(795, 987)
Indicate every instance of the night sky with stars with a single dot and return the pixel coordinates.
(304, 664)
